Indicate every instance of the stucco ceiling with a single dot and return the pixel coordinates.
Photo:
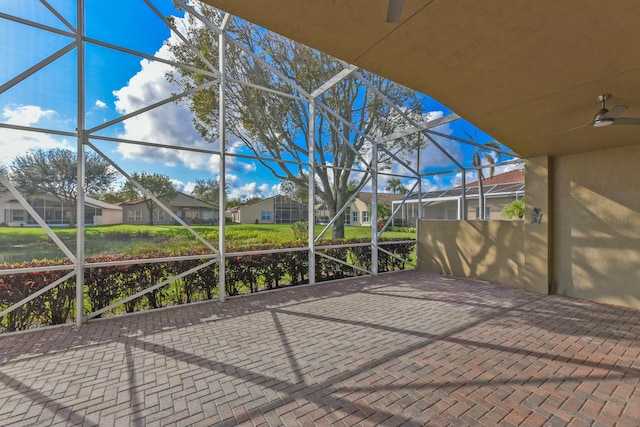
(521, 70)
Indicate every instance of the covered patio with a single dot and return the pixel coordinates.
(411, 348)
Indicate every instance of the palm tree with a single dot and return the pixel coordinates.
(485, 151)
(395, 185)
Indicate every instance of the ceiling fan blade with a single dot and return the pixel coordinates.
(395, 10)
(626, 121)
(614, 112)
(570, 129)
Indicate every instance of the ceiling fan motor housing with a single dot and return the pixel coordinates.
(600, 121)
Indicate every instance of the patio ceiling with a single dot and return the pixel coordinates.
(521, 70)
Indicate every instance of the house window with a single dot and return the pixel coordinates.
(347, 217)
(365, 217)
(17, 215)
(134, 215)
(354, 217)
(265, 215)
(160, 216)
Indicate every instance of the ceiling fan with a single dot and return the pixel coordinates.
(395, 10)
(606, 117)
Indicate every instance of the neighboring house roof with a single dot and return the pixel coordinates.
(100, 204)
(186, 201)
(253, 202)
(510, 177)
(508, 182)
(181, 200)
(386, 198)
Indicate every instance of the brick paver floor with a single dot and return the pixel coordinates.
(408, 349)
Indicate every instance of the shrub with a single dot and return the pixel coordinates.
(105, 285)
(51, 307)
(300, 230)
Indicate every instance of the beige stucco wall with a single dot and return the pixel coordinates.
(537, 236)
(515, 253)
(586, 246)
(596, 224)
(108, 217)
(361, 207)
(488, 250)
(249, 214)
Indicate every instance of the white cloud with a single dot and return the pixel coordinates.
(17, 143)
(442, 182)
(432, 157)
(178, 185)
(276, 188)
(231, 178)
(251, 189)
(170, 124)
(101, 105)
(431, 186)
(25, 115)
(188, 187)
(248, 167)
(509, 167)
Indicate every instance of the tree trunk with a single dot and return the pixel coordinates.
(337, 231)
(150, 207)
(74, 214)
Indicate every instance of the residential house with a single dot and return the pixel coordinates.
(55, 212)
(272, 210)
(187, 208)
(499, 191)
(283, 210)
(359, 210)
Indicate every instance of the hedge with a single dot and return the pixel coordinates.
(108, 284)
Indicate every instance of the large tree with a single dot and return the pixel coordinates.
(4, 171)
(157, 184)
(276, 127)
(295, 192)
(54, 172)
(207, 190)
(113, 197)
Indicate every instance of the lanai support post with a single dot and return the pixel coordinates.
(222, 42)
(312, 191)
(81, 136)
(463, 200)
(374, 209)
(418, 169)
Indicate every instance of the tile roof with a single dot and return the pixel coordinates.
(385, 198)
(510, 177)
(508, 182)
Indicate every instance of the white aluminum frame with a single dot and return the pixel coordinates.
(316, 107)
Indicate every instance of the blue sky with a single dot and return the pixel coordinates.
(119, 83)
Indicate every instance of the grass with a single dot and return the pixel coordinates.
(26, 243)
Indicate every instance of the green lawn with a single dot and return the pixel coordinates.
(26, 243)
